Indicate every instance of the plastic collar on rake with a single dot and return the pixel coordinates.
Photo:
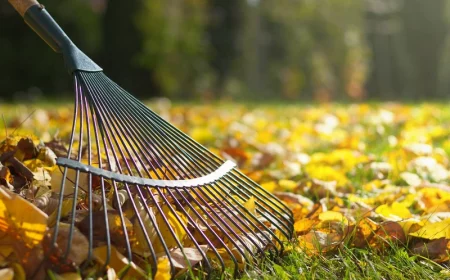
(200, 181)
(47, 28)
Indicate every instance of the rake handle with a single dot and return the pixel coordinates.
(46, 27)
(22, 6)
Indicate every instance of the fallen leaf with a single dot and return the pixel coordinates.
(436, 250)
(119, 262)
(250, 205)
(434, 230)
(6, 274)
(79, 245)
(162, 269)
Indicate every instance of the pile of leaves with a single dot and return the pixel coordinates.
(355, 176)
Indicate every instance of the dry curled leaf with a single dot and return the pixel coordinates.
(118, 262)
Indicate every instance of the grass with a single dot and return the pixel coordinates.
(350, 263)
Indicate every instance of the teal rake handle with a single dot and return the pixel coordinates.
(37, 17)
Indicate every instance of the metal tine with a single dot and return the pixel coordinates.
(180, 159)
(102, 181)
(113, 133)
(103, 127)
(236, 190)
(287, 212)
(196, 169)
(257, 202)
(252, 227)
(77, 178)
(205, 223)
(241, 240)
(193, 143)
(160, 133)
(238, 177)
(144, 203)
(89, 194)
(141, 140)
(189, 218)
(223, 223)
(114, 183)
(156, 121)
(178, 202)
(247, 197)
(186, 229)
(63, 181)
(132, 128)
(165, 149)
(238, 217)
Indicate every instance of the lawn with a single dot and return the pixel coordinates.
(368, 184)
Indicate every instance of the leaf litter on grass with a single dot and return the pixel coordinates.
(357, 177)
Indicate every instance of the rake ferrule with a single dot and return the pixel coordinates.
(46, 27)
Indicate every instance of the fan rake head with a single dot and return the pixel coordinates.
(144, 189)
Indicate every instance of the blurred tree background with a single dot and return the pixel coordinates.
(317, 50)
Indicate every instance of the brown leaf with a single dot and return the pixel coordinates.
(365, 229)
(20, 168)
(47, 203)
(388, 232)
(6, 155)
(25, 149)
(193, 255)
(19, 182)
(57, 147)
(262, 160)
(319, 241)
(47, 156)
(435, 249)
(5, 177)
(118, 262)
(239, 155)
(5, 174)
(79, 245)
(115, 228)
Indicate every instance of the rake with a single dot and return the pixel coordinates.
(143, 193)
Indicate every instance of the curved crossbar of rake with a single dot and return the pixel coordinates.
(204, 180)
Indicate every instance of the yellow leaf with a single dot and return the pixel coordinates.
(5, 251)
(20, 215)
(119, 262)
(303, 226)
(65, 210)
(287, 185)
(395, 211)
(269, 186)
(410, 225)
(434, 230)
(250, 205)
(19, 272)
(33, 164)
(332, 216)
(164, 228)
(163, 269)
